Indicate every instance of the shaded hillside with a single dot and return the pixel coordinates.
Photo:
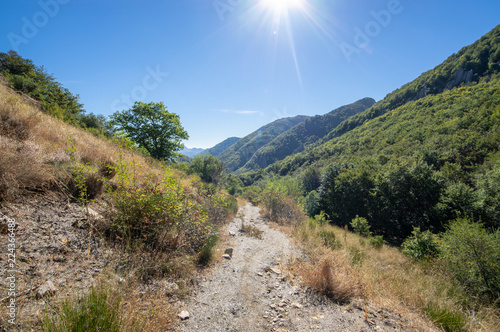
(222, 146)
(305, 133)
(470, 64)
(239, 153)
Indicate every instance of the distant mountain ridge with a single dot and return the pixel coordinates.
(474, 65)
(238, 154)
(221, 147)
(303, 134)
(191, 152)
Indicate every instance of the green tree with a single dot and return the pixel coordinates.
(152, 127)
(208, 168)
(473, 256)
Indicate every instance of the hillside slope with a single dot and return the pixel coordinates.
(222, 146)
(478, 62)
(470, 64)
(239, 153)
(305, 133)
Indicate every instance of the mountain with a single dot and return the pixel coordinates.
(471, 66)
(303, 134)
(221, 147)
(413, 159)
(238, 154)
(191, 152)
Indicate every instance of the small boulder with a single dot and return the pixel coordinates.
(183, 315)
(229, 251)
(226, 256)
(46, 290)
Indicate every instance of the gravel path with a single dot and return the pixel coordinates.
(253, 292)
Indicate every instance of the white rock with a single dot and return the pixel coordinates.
(47, 289)
(183, 315)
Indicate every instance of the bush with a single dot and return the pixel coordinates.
(333, 277)
(160, 215)
(205, 255)
(420, 245)
(377, 241)
(312, 203)
(360, 226)
(473, 256)
(98, 311)
(328, 237)
(281, 209)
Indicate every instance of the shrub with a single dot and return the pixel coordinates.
(333, 277)
(206, 252)
(473, 256)
(160, 215)
(281, 209)
(420, 245)
(321, 218)
(377, 241)
(312, 203)
(328, 237)
(360, 226)
(97, 311)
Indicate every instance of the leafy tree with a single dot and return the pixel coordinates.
(152, 127)
(312, 203)
(208, 168)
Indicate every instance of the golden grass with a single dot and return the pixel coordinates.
(385, 277)
(39, 151)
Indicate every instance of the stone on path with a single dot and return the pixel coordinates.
(183, 315)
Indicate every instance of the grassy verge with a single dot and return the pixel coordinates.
(345, 265)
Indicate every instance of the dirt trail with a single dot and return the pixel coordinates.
(252, 292)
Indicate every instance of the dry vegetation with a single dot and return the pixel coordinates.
(156, 255)
(345, 265)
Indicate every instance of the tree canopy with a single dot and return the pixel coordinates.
(152, 127)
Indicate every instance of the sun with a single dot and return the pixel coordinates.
(281, 5)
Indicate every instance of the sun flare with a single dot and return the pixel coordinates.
(281, 5)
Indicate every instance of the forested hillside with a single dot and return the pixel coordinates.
(470, 64)
(222, 146)
(414, 159)
(239, 153)
(303, 134)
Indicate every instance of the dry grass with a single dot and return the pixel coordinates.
(385, 277)
(40, 152)
(334, 277)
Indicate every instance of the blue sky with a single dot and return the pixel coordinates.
(228, 67)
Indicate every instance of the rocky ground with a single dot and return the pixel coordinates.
(56, 253)
(253, 291)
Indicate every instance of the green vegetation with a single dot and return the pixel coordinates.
(97, 311)
(152, 127)
(208, 168)
(238, 154)
(472, 254)
(222, 146)
(24, 76)
(303, 134)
